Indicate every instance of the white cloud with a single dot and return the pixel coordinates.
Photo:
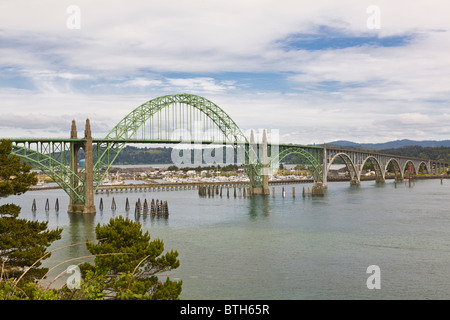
(145, 46)
(140, 82)
(200, 84)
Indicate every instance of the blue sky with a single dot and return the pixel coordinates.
(314, 71)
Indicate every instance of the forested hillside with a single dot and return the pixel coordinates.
(433, 153)
(145, 155)
(134, 155)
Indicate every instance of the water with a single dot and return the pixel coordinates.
(285, 248)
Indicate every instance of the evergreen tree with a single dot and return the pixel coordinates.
(22, 242)
(127, 265)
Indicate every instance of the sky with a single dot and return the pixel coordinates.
(316, 71)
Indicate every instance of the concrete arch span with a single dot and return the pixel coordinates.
(348, 163)
(423, 165)
(396, 167)
(379, 172)
(409, 166)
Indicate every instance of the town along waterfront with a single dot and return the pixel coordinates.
(284, 248)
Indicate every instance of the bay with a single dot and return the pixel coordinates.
(282, 248)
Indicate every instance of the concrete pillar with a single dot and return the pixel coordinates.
(252, 155)
(380, 179)
(317, 189)
(264, 189)
(89, 206)
(74, 206)
(325, 167)
(265, 174)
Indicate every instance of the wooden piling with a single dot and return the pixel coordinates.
(145, 206)
(153, 207)
(166, 208)
(113, 204)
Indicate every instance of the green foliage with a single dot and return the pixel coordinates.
(127, 265)
(27, 291)
(433, 153)
(22, 242)
(134, 155)
(15, 176)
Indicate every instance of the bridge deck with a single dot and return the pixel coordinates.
(206, 142)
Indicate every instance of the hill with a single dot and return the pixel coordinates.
(428, 149)
(393, 144)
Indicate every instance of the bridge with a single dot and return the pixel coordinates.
(194, 122)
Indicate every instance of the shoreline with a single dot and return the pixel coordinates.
(272, 182)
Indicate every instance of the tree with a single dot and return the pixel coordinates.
(172, 168)
(15, 176)
(127, 265)
(22, 242)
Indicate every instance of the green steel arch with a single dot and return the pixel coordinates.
(313, 163)
(72, 183)
(123, 132)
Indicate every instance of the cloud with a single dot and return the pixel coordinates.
(312, 69)
(200, 84)
(139, 82)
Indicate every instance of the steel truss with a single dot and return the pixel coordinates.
(311, 155)
(180, 123)
(53, 157)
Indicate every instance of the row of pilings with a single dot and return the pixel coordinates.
(157, 207)
(216, 191)
(47, 205)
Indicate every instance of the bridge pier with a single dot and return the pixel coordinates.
(88, 205)
(260, 188)
(380, 179)
(318, 189)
